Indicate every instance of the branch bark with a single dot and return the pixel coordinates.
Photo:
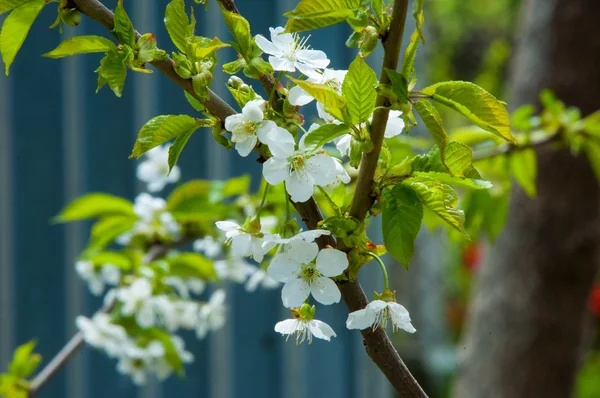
(377, 343)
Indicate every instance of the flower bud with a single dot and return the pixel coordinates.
(368, 41)
(183, 66)
(147, 48)
(70, 16)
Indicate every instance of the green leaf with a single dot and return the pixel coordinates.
(314, 14)
(188, 195)
(192, 265)
(197, 105)
(24, 361)
(439, 198)
(171, 355)
(209, 48)
(95, 205)
(401, 221)
(325, 94)
(161, 129)
(123, 27)
(178, 24)
(454, 181)
(177, 147)
(220, 190)
(408, 63)
(15, 29)
(459, 161)
(523, 166)
(81, 45)
(117, 259)
(323, 134)
(113, 71)
(359, 90)
(433, 122)
(7, 5)
(399, 85)
(107, 229)
(485, 212)
(240, 30)
(418, 16)
(476, 104)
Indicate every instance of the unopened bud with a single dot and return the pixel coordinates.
(368, 41)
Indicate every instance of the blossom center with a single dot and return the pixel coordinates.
(297, 162)
(310, 273)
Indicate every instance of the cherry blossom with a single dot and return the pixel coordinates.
(154, 170)
(377, 313)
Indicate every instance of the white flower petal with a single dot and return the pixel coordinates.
(394, 125)
(288, 326)
(227, 226)
(360, 319)
(252, 113)
(398, 311)
(298, 96)
(343, 144)
(231, 122)
(257, 249)
(322, 168)
(314, 58)
(325, 291)
(376, 305)
(280, 141)
(285, 42)
(302, 252)
(245, 147)
(332, 262)
(275, 170)
(266, 45)
(241, 245)
(321, 330)
(300, 186)
(282, 64)
(308, 70)
(294, 293)
(283, 268)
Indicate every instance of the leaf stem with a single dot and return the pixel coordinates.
(386, 281)
(263, 200)
(274, 89)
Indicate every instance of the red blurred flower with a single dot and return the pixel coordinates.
(471, 256)
(594, 300)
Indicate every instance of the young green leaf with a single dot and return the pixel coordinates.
(439, 198)
(401, 221)
(95, 205)
(192, 265)
(399, 85)
(418, 16)
(15, 29)
(123, 27)
(81, 45)
(197, 105)
(433, 122)
(523, 166)
(188, 195)
(476, 104)
(459, 161)
(334, 102)
(323, 134)
(113, 71)
(110, 257)
(177, 24)
(7, 5)
(240, 30)
(161, 129)
(220, 190)
(107, 229)
(408, 63)
(358, 89)
(455, 181)
(24, 361)
(177, 146)
(203, 51)
(314, 14)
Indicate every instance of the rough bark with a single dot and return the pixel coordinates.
(526, 321)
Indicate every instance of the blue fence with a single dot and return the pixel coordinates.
(59, 140)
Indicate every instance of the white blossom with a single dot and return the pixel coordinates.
(377, 313)
(249, 127)
(288, 52)
(175, 314)
(245, 243)
(136, 301)
(330, 77)
(305, 329)
(154, 220)
(303, 276)
(208, 245)
(233, 268)
(301, 170)
(212, 315)
(154, 170)
(97, 278)
(101, 333)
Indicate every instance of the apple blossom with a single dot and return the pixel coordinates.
(154, 170)
(302, 275)
(249, 127)
(377, 313)
(287, 52)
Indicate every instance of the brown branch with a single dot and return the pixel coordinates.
(509, 148)
(392, 42)
(77, 342)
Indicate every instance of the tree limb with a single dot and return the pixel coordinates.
(392, 42)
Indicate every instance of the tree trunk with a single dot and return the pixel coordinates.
(524, 335)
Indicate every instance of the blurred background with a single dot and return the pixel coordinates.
(530, 292)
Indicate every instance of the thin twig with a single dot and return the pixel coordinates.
(77, 342)
(507, 149)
